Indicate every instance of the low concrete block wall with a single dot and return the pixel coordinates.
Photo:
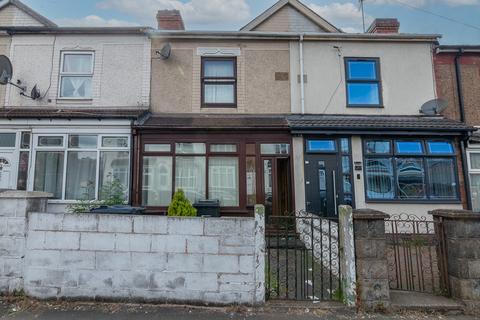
(148, 258)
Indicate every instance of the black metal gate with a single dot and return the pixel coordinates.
(302, 258)
(416, 255)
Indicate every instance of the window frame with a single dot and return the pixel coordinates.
(66, 149)
(224, 80)
(63, 74)
(394, 155)
(472, 171)
(378, 81)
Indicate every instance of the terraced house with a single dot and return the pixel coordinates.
(292, 113)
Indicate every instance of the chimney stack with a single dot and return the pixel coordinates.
(384, 26)
(170, 20)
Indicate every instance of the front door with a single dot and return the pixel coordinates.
(276, 186)
(321, 184)
(7, 170)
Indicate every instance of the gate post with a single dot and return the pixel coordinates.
(373, 287)
(461, 230)
(347, 255)
(260, 250)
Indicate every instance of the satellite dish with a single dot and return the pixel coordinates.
(35, 93)
(434, 107)
(6, 70)
(166, 51)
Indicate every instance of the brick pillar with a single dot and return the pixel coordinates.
(373, 290)
(462, 238)
(14, 207)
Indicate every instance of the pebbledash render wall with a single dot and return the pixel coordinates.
(144, 258)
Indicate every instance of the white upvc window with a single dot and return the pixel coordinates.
(474, 170)
(79, 166)
(76, 74)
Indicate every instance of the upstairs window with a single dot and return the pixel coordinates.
(363, 82)
(219, 82)
(76, 75)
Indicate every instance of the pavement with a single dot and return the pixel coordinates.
(26, 309)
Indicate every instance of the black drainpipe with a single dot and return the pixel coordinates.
(464, 141)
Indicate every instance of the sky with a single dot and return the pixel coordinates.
(460, 23)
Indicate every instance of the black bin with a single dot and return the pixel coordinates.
(118, 209)
(209, 208)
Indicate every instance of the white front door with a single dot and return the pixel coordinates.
(7, 167)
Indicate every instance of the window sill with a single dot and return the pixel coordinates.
(231, 106)
(416, 201)
(380, 106)
(75, 100)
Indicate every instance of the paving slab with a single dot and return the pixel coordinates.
(408, 300)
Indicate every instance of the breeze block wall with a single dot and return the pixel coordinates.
(146, 258)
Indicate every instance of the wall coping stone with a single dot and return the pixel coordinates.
(455, 214)
(144, 215)
(17, 194)
(369, 214)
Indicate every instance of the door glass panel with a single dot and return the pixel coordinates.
(347, 184)
(346, 168)
(25, 143)
(49, 173)
(345, 145)
(411, 179)
(157, 181)
(190, 176)
(81, 177)
(251, 181)
(475, 190)
(7, 140)
(23, 170)
(223, 180)
(268, 186)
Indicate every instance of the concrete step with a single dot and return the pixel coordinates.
(424, 302)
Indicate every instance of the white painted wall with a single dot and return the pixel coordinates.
(406, 74)
(121, 72)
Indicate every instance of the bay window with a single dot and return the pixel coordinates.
(410, 170)
(80, 166)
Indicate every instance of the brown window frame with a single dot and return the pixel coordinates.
(218, 81)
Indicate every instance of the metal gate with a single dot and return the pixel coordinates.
(416, 255)
(302, 258)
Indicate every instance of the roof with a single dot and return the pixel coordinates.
(377, 124)
(213, 122)
(306, 11)
(70, 113)
(29, 11)
(77, 30)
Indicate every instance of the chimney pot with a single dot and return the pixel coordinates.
(391, 25)
(170, 20)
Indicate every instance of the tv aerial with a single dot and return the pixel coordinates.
(434, 107)
(6, 73)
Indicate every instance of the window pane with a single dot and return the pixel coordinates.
(157, 181)
(345, 145)
(322, 146)
(114, 173)
(275, 149)
(411, 178)
(223, 148)
(7, 140)
(362, 70)
(409, 147)
(475, 160)
(219, 93)
(475, 190)
(346, 164)
(441, 173)
(50, 141)
(23, 170)
(251, 182)
(379, 176)
(190, 176)
(81, 177)
(115, 142)
(76, 87)
(158, 148)
(223, 181)
(347, 184)
(190, 148)
(378, 147)
(363, 94)
(440, 147)
(25, 143)
(77, 63)
(219, 68)
(82, 142)
(49, 173)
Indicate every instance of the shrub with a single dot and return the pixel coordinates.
(180, 206)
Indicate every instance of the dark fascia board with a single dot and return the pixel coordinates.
(458, 48)
(30, 12)
(76, 30)
(382, 132)
(309, 36)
